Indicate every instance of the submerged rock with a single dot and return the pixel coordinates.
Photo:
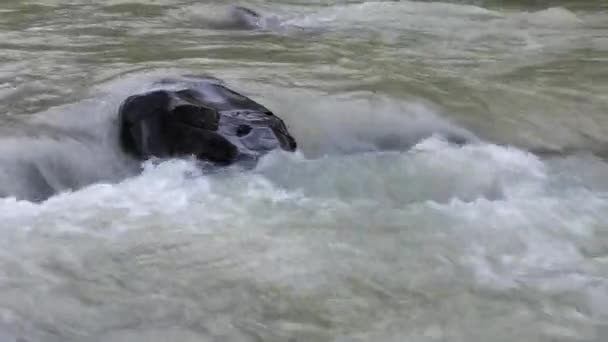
(203, 118)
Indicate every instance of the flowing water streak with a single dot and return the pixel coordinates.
(378, 229)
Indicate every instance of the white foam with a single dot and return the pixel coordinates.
(531, 239)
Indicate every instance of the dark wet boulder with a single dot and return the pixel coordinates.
(205, 119)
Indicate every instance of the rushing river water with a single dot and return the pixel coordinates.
(377, 229)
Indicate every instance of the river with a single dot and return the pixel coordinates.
(376, 229)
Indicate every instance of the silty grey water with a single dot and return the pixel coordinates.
(360, 236)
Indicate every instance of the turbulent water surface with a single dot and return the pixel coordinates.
(377, 229)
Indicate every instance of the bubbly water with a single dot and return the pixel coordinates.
(379, 228)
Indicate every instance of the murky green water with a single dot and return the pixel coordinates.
(376, 230)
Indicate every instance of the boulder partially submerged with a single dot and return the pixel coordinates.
(203, 118)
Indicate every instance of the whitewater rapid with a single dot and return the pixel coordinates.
(381, 227)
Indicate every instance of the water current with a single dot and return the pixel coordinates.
(376, 229)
